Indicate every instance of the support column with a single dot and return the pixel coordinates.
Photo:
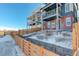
(57, 18)
(36, 19)
(41, 20)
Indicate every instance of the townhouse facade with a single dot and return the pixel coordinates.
(58, 16)
(53, 16)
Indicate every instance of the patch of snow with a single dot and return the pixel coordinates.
(66, 42)
(8, 47)
(6, 38)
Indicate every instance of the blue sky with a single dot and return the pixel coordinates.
(15, 15)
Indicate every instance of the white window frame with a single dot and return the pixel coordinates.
(68, 7)
(68, 21)
(49, 24)
(71, 7)
(53, 24)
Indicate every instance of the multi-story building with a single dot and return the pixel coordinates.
(54, 16)
(58, 16)
(35, 19)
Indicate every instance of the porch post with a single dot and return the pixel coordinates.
(41, 20)
(57, 18)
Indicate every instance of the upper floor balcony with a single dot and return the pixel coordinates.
(51, 13)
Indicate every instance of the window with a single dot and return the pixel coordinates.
(53, 25)
(78, 13)
(49, 24)
(71, 7)
(68, 7)
(68, 21)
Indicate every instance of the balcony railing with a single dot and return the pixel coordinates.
(46, 14)
(50, 13)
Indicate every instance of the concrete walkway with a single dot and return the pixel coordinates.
(8, 47)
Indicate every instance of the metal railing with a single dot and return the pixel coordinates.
(52, 12)
(49, 13)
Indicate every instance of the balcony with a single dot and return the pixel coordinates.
(50, 13)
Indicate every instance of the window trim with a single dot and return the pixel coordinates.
(66, 6)
(70, 6)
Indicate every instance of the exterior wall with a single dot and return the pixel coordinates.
(45, 25)
(66, 15)
(63, 21)
(51, 26)
(62, 24)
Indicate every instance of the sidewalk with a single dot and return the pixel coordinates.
(8, 47)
